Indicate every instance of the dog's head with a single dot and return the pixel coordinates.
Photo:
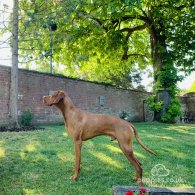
(55, 98)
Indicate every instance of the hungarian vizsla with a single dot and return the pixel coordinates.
(83, 125)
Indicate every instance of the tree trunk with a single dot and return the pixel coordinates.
(159, 53)
(165, 97)
(14, 70)
(161, 94)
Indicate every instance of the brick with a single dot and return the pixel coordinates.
(33, 85)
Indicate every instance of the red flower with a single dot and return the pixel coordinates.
(130, 192)
(142, 191)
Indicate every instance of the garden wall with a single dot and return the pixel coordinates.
(93, 97)
(187, 102)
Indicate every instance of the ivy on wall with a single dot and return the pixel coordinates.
(166, 85)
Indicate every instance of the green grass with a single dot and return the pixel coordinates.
(41, 162)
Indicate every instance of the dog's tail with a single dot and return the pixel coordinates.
(140, 143)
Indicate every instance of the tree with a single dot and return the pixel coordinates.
(107, 40)
(14, 69)
(172, 47)
(170, 27)
(85, 52)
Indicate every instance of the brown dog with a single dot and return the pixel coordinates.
(83, 125)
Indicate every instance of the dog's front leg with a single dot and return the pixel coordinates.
(78, 145)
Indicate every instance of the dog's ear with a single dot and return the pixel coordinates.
(60, 95)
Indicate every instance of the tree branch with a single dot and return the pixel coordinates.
(100, 23)
(131, 30)
(127, 56)
(139, 17)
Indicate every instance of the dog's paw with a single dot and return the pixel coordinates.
(74, 177)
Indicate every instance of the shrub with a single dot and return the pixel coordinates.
(124, 115)
(166, 80)
(154, 106)
(26, 117)
(173, 111)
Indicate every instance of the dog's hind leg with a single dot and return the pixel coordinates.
(138, 161)
(128, 152)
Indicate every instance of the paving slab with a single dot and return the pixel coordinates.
(121, 190)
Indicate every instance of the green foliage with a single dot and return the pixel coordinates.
(99, 32)
(154, 106)
(172, 111)
(105, 40)
(167, 80)
(87, 44)
(26, 117)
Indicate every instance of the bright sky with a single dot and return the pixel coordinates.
(187, 82)
(5, 51)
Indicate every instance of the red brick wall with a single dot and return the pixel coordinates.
(4, 94)
(33, 85)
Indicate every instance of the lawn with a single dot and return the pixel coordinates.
(41, 162)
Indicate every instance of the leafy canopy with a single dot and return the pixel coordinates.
(106, 40)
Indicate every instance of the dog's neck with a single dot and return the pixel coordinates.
(66, 107)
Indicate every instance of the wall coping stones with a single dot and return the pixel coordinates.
(190, 94)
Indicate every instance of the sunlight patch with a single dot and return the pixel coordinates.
(139, 155)
(107, 159)
(65, 134)
(30, 192)
(2, 152)
(186, 186)
(112, 148)
(176, 153)
(180, 128)
(65, 157)
(22, 155)
(31, 148)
